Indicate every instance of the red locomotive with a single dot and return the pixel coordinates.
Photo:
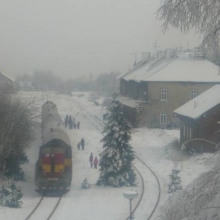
(53, 169)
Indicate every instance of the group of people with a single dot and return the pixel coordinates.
(93, 161)
(81, 144)
(71, 123)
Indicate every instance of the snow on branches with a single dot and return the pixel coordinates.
(201, 15)
(199, 200)
(117, 156)
(16, 123)
(10, 195)
(175, 181)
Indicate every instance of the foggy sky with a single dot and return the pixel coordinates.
(80, 37)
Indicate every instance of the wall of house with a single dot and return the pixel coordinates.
(178, 93)
(123, 87)
(131, 114)
(134, 90)
(203, 132)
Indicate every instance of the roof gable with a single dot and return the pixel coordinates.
(200, 104)
(7, 76)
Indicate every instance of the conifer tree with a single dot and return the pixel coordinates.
(175, 181)
(10, 195)
(117, 156)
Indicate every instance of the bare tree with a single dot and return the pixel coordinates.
(201, 15)
(16, 122)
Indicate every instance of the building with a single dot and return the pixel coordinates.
(200, 121)
(7, 84)
(156, 86)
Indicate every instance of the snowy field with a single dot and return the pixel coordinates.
(155, 147)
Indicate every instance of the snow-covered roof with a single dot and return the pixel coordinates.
(7, 76)
(181, 68)
(200, 104)
(127, 101)
(130, 102)
(138, 66)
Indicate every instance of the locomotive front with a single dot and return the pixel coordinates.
(53, 170)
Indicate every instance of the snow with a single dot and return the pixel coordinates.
(200, 104)
(180, 69)
(155, 147)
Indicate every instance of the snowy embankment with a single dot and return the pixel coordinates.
(155, 147)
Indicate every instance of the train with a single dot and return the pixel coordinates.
(53, 169)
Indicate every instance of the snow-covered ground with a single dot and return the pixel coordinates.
(155, 147)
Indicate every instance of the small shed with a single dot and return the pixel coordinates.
(200, 121)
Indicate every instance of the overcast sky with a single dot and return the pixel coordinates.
(80, 37)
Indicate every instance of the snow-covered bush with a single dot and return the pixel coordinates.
(117, 156)
(10, 195)
(199, 200)
(175, 181)
(85, 184)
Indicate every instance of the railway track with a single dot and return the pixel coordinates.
(45, 208)
(99, 124)
(158, 184)
(97, 120)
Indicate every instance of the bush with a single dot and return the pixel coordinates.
(10, 195)
(175, 181)
(13, 169)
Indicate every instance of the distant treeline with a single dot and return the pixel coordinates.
(104, 83)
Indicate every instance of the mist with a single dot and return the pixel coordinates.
(75, 38)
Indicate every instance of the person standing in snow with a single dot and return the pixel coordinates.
(82, 143)
(78, 125)
(91, 160)
(78, 145)
(66, 121)
(95, 162)
(70, 122)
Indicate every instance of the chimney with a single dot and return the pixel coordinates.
(145, 56)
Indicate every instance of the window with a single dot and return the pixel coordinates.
(163, 94)
(163, 118)
(192, 94)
